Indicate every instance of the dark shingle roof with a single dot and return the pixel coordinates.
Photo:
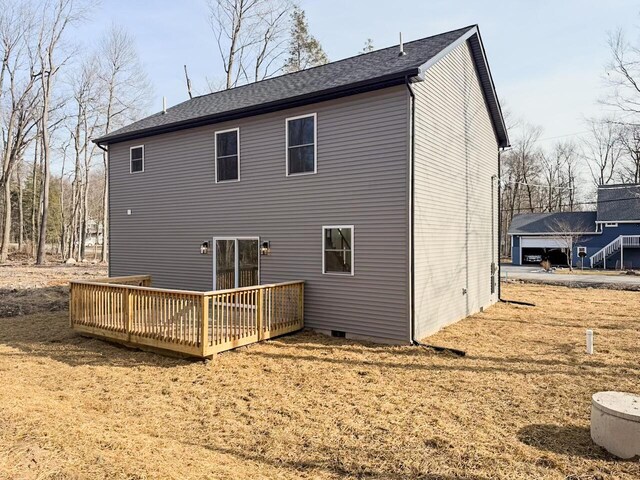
(364, 72)
(619, 203)
(532, 223)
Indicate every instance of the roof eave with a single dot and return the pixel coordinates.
(397, 78)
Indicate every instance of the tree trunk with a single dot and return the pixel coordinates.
(33, 205)
(46, 155)
(6, 227)
(85, 217)
(20, 210)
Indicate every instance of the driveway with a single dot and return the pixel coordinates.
(534, 274)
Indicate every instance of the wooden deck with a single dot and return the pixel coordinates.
(130, 311)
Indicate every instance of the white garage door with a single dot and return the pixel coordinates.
(543, 242)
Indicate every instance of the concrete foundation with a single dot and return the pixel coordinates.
(615, 423)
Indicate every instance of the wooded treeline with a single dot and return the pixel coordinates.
(563, 176)
(57, 94)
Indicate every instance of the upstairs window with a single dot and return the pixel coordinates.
(337, 250)
(611, 224)
(301, 144)
(228, 155)
(136, 159)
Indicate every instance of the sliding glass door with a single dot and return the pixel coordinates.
(235, 263)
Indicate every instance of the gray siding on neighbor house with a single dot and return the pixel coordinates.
(455, 197)
(362, 180)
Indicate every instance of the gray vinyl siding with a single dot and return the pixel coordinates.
(362, 180)
(456, 154)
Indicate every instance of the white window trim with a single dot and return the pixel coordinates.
(215, 160)
(353, 250)
(131, 159)
(315, 144)
(582, 249)
(611, 224)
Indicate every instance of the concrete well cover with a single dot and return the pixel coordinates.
(619, 404)
(615, 423)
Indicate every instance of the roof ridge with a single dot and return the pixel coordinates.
(359, 73)
(329, 63)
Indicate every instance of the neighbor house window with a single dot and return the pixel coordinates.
(611, 224)
(337, 250)
(228, 155)
(301, 144)
(136, 159)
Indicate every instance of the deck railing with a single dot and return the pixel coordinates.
(128, 310)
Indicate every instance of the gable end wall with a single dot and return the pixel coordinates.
(455, 197)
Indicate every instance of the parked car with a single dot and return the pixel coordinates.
(533, 258)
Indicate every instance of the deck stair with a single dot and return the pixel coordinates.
(600, 257)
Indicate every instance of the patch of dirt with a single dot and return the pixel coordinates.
(28, 289)
(516, 406)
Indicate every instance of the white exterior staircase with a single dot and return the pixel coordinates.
(600, 257)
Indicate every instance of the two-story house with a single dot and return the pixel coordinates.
(608, 237)
(374, 179)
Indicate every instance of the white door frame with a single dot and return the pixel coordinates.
(236, 261)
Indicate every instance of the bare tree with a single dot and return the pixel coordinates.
(630, 164)
(623, 74)
(86, 93)
(558, 175)
(232, 22)
(602, 150)
(521, 168)
(126, 95)
(251, 37)
(271, 44)
(18, 106)
(568, 235)
(56, 16)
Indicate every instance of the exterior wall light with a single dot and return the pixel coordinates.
(204, 248)
(265, 248)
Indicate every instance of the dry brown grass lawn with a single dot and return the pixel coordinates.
(307, 406)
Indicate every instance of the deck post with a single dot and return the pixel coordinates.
(301, 319)
(126, 310)
(71, 304)
(204, 336)
(260, 311)
(622, 254)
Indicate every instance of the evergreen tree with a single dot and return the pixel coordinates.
(304, 49)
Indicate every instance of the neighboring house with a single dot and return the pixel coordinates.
(93, 233)
(609, 236)
(373, 179)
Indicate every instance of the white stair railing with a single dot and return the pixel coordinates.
(606, 251)
(613, 247)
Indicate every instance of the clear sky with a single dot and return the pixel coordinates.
(547, 57)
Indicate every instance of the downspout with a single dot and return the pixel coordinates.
(499, 224)
(107, 241)
(412, 310)
(412, 119)
(412, 149)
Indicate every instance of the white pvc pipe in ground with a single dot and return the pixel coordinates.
(590, 342)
